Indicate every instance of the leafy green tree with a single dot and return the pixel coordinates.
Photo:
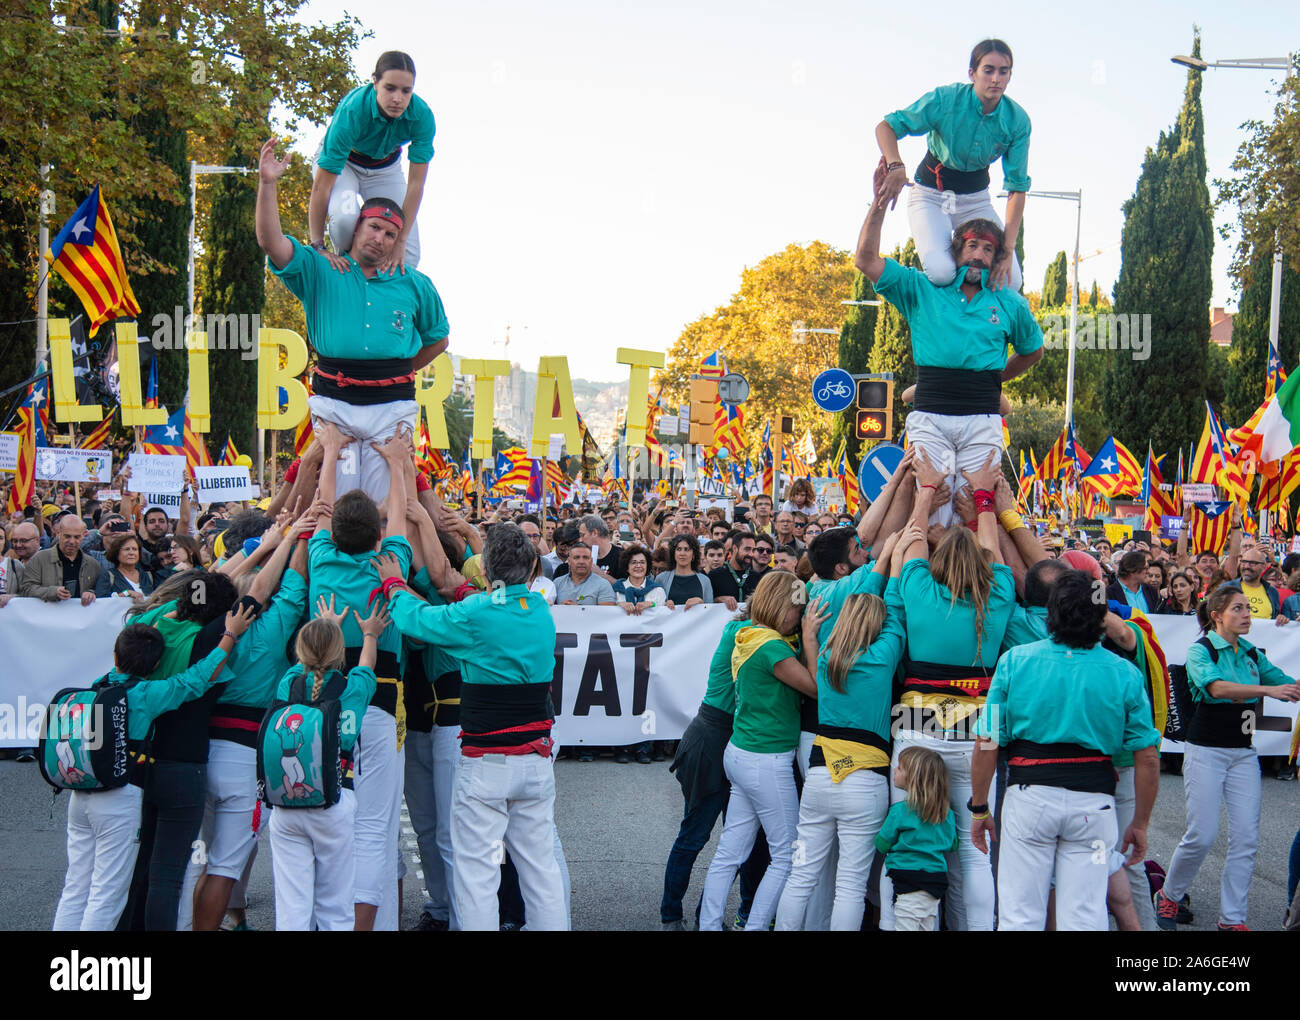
(892, 349)
(1247, 357)
(1167, 245)
(856, 337)
(1095, 297)
(1055, 281)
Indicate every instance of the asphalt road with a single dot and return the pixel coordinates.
(617, 823)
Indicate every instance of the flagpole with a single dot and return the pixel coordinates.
(72, 443)
(43, 287)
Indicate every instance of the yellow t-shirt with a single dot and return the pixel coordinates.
(1260, 607)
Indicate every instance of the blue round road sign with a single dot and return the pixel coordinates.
(834, 390)
(878, 465)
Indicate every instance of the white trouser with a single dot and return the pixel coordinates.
(446, 759)
(313, 863)
(817, 915)
(1125, 805)
(854, 809)
(506, 802)
(969, 902)
(359, 465)
(377, 772)
(1050, 830)
(954, 443)
(356, 184)
(762, 792)
(1214, 777)
(916, 911)
(103, 838)
(422, 806)
(934, 215)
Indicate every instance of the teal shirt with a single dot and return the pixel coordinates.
(868, 696)
(1027, 624)
(1052, 694)
(503, 637)
(941, 631)
(721, 690)
(910, 844)
(835, 593)
(350, 315)
(351, 579)
(950, 332)
(436, 660)
(352, 705)
(1235, 667)
(146, 700)
(260, 656)
(360, 125)
(964, 137)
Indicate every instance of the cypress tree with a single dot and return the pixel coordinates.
(1094, 299)
(1248, 355)
(1166, 246)
(891, 350)
(856, 336)
(1056, 282)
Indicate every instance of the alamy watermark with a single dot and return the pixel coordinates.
(1094, 332)
(223, 332)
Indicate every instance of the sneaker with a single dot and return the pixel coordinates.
(658, 753)
(1185, 915)
(1286, 773)
(25, 755)
(678, 925)
(739, 923)
(586, 754)
(1232, 927)
(1166, 911)
(643, 756)
(428, 922)
(621, 756)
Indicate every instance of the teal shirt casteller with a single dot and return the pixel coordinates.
(350, 579)
(505, 636)
(146, 700)
(949, 331)
(1027, 625)
(833, 594)
(941, 631)
(868, 696)
(261, 656)
(966, 138)
(350, 315)
(1052, 694)
(352, 704)
(910, 844)
(359, 125)
(1234, 667)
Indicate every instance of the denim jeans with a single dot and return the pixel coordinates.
(171, 813)
(697, 826)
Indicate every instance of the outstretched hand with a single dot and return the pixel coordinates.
(270, 169)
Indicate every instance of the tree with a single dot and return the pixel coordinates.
(856, 337)
(1055, 281)
(1167, 245)
(753, 331)
(1267, 188)
(1247, 358)
(1095, 297)
(892, 349)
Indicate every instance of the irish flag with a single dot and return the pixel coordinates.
(1278, 430)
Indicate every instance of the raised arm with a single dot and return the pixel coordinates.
(395, 452)
(867, 257)
(873, 519)
(1234, 543)
(268, 578)
(332, 442)
(984, 480)
(270, 237)
(929, 481)
(1180, 553)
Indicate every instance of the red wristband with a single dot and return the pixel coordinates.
(464, 592)
(983, 501)
(390, 583)
(929, 486)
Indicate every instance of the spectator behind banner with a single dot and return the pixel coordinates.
(153, 527)
(580, 586)
(24, 543)
(125, 575)
(1182, 600)
(63, 571)
(685, 585)
(1265, 604)
(799, 496)
(735, 580)
(593, 532)
(637, 591)
(1131, 587)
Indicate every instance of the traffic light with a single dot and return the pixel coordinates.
(704, 396)
(875, 415)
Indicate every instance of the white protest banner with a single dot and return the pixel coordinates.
(95, 466)
(154, 472)
(169, 503)
(555, 449)
(104, 494)
(668, 424)
(709, 502)
(9, 450)
(223, 484)
(1197, 492)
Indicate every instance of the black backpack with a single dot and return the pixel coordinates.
(1182, 706)
(83, 743)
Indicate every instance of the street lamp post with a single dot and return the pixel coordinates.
(1257, 63)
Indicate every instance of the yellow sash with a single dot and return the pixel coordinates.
(949, 709)
(845, 756)
(748, 641)
(400, 712)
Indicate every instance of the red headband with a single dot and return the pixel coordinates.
(383, 212)
(970, 235)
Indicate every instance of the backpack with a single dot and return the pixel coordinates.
(298, 761)
(83, 743)
(1182, 706)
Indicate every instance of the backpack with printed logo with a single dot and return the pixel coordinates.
(298, 761)
(83, 743)
(1182, 706)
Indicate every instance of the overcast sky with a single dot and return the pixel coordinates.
(603, 171)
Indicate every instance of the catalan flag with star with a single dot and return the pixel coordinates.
(24, 484)
(86, 254)
(167, 438)
(97, 438)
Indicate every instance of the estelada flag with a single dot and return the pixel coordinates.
(86, 254)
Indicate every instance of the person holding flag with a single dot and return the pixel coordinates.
(960, 332)
(372, 332)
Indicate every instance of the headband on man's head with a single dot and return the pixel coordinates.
(384, 212)
(969, 235)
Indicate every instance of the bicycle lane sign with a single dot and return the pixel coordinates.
(834, 390)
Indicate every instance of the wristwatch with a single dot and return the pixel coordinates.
(318, 246)
(976, 809)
